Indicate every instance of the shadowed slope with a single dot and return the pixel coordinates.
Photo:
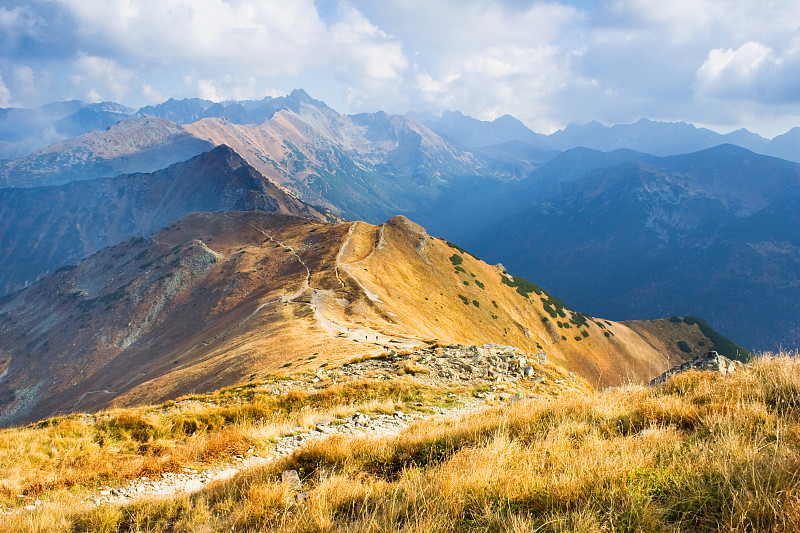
(45, 228)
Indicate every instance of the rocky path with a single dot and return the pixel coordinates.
(190, 481)
(507, 374)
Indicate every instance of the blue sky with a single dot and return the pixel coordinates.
(718, 63)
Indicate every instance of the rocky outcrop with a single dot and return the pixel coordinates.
(712, 362)
(490, 363)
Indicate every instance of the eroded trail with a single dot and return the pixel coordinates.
(190, 481)
(306, 283)
(323, 301)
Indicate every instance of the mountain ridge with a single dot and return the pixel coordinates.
(45, 228)
(216, 297)
(136, 145)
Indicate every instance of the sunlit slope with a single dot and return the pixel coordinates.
(440, 292)
(220, 298)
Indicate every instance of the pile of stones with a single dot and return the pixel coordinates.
(711, 361)
(456, 362)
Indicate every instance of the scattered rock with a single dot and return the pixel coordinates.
(495, 366)
(711, 361)
(291, 478)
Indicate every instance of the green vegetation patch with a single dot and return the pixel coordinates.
(579, 319)
(721, 344)
(554, 307)
(460, 249)
(456, 259)
(523, 286)
(464, 299)
(684, 347)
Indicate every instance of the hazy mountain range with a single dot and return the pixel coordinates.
(45, 228)
(23, 131)
(625, 235)
(641, 220)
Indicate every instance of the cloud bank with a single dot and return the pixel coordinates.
(710, 62)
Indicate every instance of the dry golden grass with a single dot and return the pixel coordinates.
(82, 452)
(700, 453)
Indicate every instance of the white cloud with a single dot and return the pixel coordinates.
(5, 94)
(207, 89)
(102, 77)
(505, 61)
(266, 37)
(752, 71)
(546, 62)
(237, 47)
(363, 53)
(151, 94)
(24, 79)
(15, 22)
(228, 87)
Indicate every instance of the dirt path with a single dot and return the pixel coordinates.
(191, 481)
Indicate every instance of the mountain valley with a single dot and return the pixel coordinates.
(627, 235)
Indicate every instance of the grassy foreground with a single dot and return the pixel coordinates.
(699, 453)
(71, 454)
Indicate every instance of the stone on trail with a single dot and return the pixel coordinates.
(291, 478)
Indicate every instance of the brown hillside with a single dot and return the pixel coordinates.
(218, 298)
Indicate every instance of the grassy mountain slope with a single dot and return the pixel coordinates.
(218, 298)
(710, 234)
(702, 452)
